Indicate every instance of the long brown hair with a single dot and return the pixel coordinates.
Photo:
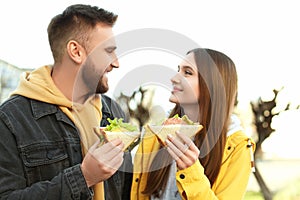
(218, 89)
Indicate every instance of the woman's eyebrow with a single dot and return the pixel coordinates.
(186, 67)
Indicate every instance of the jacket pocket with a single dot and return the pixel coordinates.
(43, 161)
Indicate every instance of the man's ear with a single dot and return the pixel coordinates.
(75, 51)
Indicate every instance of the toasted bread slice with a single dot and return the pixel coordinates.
(127, 137)
(161, 132)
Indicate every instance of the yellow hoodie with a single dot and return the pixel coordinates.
(39, 85)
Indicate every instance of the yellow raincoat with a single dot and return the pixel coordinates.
(192, 183)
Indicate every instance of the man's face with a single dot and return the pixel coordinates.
(101, 59)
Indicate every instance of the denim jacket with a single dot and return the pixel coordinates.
(40, 153)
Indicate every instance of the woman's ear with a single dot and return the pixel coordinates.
(75, 51)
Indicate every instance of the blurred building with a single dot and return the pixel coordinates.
(9, 78)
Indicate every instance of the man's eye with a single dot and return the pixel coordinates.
(110, 50)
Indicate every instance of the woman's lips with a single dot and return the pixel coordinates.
(176, 89)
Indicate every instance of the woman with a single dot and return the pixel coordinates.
(216, 163)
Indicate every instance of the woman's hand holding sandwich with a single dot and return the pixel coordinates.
(183, 150)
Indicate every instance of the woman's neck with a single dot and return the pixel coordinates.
(192, 111)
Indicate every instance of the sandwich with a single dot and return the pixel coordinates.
(181, 124)
(116, 128)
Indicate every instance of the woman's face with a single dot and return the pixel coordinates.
(185, 83)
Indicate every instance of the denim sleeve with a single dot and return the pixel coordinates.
(69, 184)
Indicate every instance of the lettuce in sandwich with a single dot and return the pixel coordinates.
(116, 128)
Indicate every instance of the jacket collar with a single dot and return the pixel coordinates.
(41, 109)
(105, 108)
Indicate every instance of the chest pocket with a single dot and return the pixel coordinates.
(43, 161)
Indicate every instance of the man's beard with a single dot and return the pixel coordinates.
(94, 84)
(101, 87)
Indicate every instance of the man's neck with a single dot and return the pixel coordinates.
(64, 76)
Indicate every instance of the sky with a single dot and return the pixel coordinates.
(261, 37)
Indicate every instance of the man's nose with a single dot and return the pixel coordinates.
(115, 63)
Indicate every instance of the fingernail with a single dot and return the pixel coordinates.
(170, 136)
(167, 141)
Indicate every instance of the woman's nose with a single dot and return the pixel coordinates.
(176, 78)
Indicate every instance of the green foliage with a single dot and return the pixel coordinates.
(251, 195)
(290, 192)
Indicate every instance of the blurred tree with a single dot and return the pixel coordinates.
(138, 105)
(263, 114)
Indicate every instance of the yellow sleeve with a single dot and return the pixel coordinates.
(233, 180)
(193, 184)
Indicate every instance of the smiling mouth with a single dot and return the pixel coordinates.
(176, 89)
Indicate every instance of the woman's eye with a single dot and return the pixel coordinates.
(187, 72)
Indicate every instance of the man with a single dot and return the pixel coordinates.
(48, 149)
